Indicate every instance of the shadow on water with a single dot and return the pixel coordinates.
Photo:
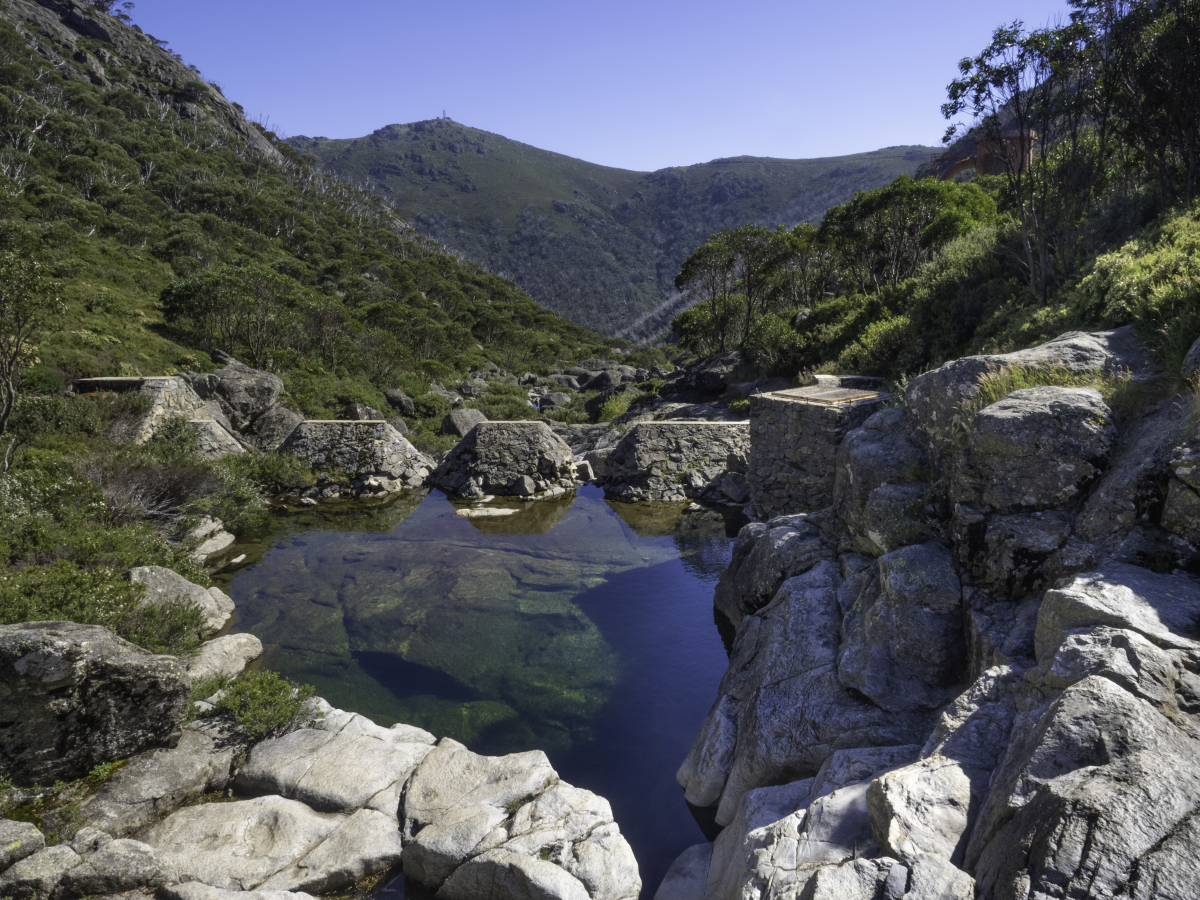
(575, 626)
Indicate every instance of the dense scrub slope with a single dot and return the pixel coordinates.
(128, 174)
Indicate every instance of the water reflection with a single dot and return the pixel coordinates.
(576, 626)
(465, 626)
(529, 517)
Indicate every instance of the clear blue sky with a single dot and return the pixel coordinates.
(640, 85)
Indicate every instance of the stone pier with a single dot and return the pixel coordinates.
(794, 436)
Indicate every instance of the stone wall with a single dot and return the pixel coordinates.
(170, 395)
(794, 436)
(373, 452)
(678, 460)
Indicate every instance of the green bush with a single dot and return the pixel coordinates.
(269, 473)
(773, 344)
(615, 406)
(1153, 281)
(63, 591)
(264, 704)
(879, 348)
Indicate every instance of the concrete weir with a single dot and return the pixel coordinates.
(794, 436)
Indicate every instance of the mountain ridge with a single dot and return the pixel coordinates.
(598, 244)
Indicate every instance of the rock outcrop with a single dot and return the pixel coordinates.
(73, 696)
(228, 655)
(459, 422)
(499, 828)
(156, 782)
(17, 841)
(163, 585)
(681, 460)
(523, 459)
(977, 674)
(374, 454)
(237, 392)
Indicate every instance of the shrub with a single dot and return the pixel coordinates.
(773, 344)
(270, 473)
(740, 407)
(1153, 281)
(879, 348)
(266, 705)
(615, 406)
(64, 591)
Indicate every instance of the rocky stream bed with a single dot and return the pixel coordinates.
(976, 674)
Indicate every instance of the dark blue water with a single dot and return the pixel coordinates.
(580, 627)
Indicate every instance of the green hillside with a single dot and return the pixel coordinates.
(170, 226)
(597, 244)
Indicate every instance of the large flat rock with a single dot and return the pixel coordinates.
(154, 783)
(477, 826)
(238, 846)
(332, 772)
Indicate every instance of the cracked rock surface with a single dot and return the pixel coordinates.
(492, 828)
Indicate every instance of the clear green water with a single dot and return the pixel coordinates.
(580, 627)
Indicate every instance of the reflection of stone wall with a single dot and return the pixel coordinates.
(794, 436)
(371, 451)
(677, 460)
(170, 395)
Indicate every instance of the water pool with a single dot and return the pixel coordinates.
(580, 627)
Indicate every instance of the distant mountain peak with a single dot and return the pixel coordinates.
(598, 244)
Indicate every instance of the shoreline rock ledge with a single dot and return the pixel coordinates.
(502, 828)
(975, 675)
(319, 810)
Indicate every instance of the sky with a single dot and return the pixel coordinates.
(637, 84)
